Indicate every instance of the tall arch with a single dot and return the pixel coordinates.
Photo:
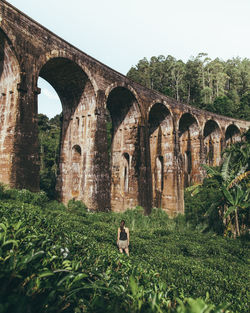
(9, 109)
(161, 141)
(189, 148)
(125, 140)
(78, 101)
(212, 146)
(232, 134)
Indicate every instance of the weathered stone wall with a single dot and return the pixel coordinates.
(157, 144)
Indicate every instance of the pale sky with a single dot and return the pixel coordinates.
(121, 32)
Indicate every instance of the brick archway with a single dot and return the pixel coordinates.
(212, 142)
(189, 132)
(78, 100)
(160, 123)
(232, 134)
(125, 140)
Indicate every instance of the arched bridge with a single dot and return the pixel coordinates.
(158, 144)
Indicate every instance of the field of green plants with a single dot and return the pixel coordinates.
(64, 259)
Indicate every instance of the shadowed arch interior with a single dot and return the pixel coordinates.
(67, 78)
(158, 113)
(212, 150)
(125, 162)
(189, 147)
(160, 130)
(78, 100)
(232, 133)
(76, 153)
(211, 127)
(120, 102)
(187, 121)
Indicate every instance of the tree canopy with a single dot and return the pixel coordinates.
(217, 86)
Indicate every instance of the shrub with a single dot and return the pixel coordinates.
(77, 206)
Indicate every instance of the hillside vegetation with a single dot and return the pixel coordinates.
(58, 259)
(217, 86)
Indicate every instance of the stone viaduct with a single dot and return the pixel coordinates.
(157, 145)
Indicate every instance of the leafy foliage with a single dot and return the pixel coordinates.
(58, 259)
(49, 139)
(218, 86)
(222, 200)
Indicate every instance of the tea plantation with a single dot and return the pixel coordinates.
(58, 259)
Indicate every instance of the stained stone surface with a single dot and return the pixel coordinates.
(157, 145)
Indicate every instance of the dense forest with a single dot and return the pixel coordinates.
(215, 85)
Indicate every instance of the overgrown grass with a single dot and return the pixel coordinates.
(58, 259)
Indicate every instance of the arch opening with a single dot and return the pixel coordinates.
(232, 134)
(123, 135)
(159, 114)
(187, 124)
(160, 130)
(73, 127)
(189, 148)
(212, 139)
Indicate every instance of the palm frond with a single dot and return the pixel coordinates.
(211, 171)
(225, 168)
(238, 179)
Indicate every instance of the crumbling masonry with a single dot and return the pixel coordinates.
(158, 144)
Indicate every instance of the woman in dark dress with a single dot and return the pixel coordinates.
(123, 238)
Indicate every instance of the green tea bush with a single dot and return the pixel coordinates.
(54, 259)
(77, 206)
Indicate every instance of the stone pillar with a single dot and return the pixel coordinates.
(145, 185)
(101, 160)
(25, 168)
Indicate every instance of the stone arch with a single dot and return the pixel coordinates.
(125, 117)
(232, 134)
(212, 142)
(159, 115)
(63, 54)
(160, 129)
(190, 148)
(68, 79)
(10, 112)
(124, 85)
(78, 100)
(188, 123)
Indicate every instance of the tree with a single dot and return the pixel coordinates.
(49, 139)
(219, 86)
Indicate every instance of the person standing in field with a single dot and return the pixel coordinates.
(123, 238)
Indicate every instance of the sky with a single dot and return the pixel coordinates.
(121, 32)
